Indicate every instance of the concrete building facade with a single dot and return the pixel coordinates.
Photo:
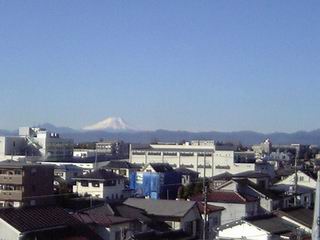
(25, 184)
(199, 156)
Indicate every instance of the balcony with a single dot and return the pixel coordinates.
(11, 195)
(10, 179)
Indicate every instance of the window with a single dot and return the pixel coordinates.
(95, 184)
(301, 178)
(17, 172)
(84, 183)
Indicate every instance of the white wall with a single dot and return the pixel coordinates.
(111, 192)
(303, 180)
(90, 189)
(7, 232)
(243, 231)
(232, 212)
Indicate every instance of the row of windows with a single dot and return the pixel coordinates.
(10, 172)
(85, 183)
(11, 187)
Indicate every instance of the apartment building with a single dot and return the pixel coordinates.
(25, 184)
(199, 156)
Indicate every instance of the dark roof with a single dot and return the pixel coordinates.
(161, 167)
(210, 208)
(222, 176)
(186, 171)
(266, 192)
(116, 164)
(271, 224)
(303, 216)
(165, 208)
(284, 172)
(100, 174)
(37, 218)
(251, 174)
(131, 212)
(22, 164)
(154, 235)
(225, 197)
(67, 167)
(102, 215)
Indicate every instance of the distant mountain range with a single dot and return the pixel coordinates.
(126, 133)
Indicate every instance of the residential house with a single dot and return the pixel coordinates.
(179, 214)
(236, 205)
(188, 176)
(101, 184)
(143, 222)
(157, 181)
(260, 178)
(67, 171)
(268, 200)
(305, 190)
(264, 227)
(213, 217)
(103, 221)
(123, 168)
(302, 180)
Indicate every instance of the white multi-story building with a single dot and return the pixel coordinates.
(35, 142)
(195, 155)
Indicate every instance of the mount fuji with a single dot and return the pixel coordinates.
(109, 124)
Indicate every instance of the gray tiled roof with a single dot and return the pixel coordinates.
(172, 208)
(272, 224)
(301, 215)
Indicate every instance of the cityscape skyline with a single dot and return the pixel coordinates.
(183, 65)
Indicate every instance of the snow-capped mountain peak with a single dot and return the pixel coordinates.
(110, 123)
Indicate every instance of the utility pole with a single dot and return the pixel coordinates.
(296, 178)
(96, 160)
(204, 190)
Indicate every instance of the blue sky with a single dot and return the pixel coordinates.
(193, 65)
